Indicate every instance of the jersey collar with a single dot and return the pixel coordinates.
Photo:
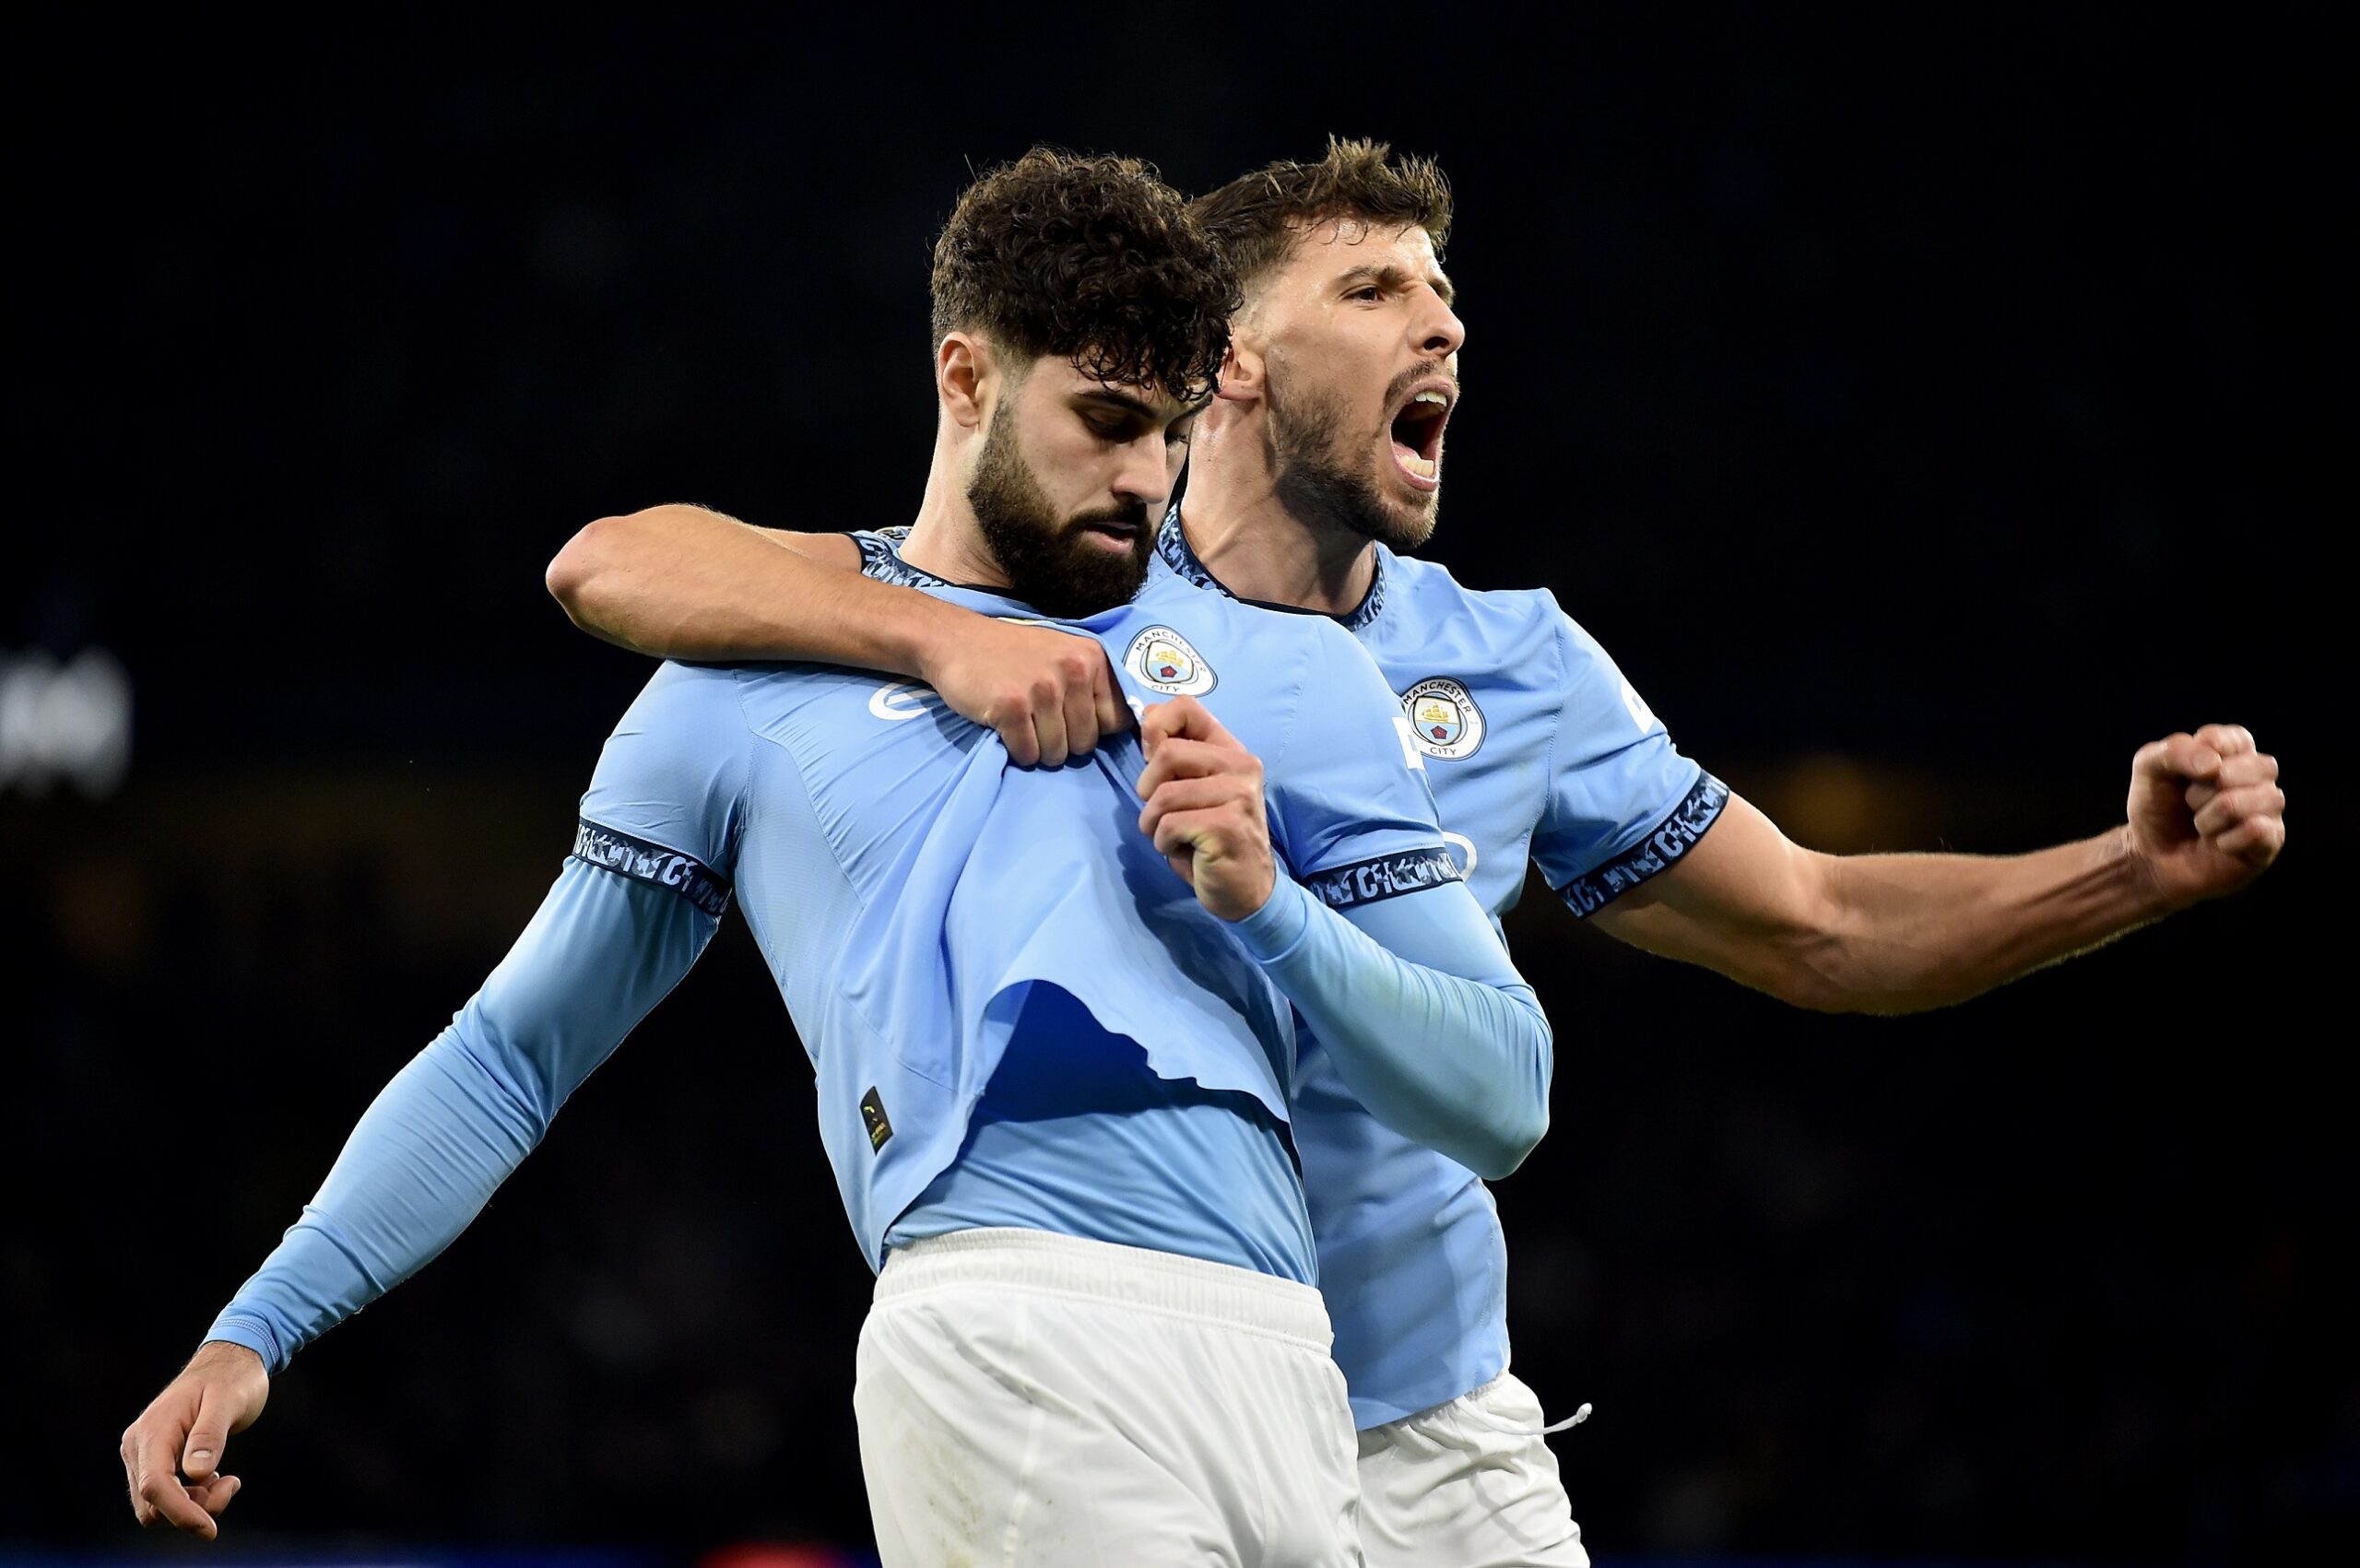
(1172, 544)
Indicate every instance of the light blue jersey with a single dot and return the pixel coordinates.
(930, 913)
(1537, 747)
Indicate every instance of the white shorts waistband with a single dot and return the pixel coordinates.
(1104, 1271)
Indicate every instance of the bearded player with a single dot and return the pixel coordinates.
(1317, 467)
(1051, 1076)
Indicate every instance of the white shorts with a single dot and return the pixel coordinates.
(1038, 1399)
(1470, 1484)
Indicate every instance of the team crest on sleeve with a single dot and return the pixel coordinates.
(1444, 720)
(1163, 659)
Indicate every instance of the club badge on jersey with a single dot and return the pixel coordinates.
(1444, 720)
(1165, 661)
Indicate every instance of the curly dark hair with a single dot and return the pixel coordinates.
(1255, 218)
(1091, 258)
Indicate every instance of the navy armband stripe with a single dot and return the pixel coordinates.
(652, 863)
(1386, 876)
(1673, 837)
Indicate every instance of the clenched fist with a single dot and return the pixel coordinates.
(1049, 694)
(2207, 815)
(1204, 809)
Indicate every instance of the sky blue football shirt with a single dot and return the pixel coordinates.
(922, 905)
(1537, 747)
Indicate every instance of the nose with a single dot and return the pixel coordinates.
(1436, 329)
(1146, 471)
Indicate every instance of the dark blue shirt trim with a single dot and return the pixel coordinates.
(1386, 876)
(880, 558)
(1172, 544)
(645, 862)
(1673, 837)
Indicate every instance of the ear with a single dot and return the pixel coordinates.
(963, 374)
(1241, 368)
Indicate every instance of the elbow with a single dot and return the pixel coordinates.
(575, 571)
(1523, 1119)
(1807, 987)
(1516, 1135)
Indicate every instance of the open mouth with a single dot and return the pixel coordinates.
(1417, 434)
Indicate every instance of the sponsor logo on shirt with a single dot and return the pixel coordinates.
(1636, 706)
(1444, 720)
(1165, 661)
(902, 699)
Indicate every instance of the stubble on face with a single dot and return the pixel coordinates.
(1048, 561)
(1322, 475)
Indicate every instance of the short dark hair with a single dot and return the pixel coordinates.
(1091, 258)
(1255, 218)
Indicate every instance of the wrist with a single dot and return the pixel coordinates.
(2150, 895)
(227, 1355)
(926, 635)
(1271, 931)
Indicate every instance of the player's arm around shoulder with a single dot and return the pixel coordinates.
(683, 582)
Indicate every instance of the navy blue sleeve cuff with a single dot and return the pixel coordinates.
(652, 863)
(1670, 839)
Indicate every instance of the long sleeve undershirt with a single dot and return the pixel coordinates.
(451, 1125)
(1431, 1026)
(1461, 1063)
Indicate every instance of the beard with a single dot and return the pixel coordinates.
(1048, 563)
(1318, 487)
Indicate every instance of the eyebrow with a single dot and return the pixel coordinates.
(1106, 396)
(1392, 277)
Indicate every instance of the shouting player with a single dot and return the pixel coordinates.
(1320, 462)
(1052, 1077)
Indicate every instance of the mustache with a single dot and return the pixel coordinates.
(1417, 374)
(1131, 516)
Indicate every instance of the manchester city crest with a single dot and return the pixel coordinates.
(1444, 720)
(1163, 659)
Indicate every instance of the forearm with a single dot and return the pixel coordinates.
(679, 581)
(420, 1164)
(1911, 932)
(454, 1122)
(1453, 1052)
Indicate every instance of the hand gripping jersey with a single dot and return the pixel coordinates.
(913, 893)
(1536, 747)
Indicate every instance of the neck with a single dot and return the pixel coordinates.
(945, 539)
(1248, 538)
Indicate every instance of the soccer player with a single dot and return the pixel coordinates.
(1052, 1077)
(1319, 462)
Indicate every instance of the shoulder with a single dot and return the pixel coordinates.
(1424, 593)
(679, 693)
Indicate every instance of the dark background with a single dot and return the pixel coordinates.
(1925, 411)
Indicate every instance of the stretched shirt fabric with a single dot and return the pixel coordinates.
(1537, 747)
(927, 909)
